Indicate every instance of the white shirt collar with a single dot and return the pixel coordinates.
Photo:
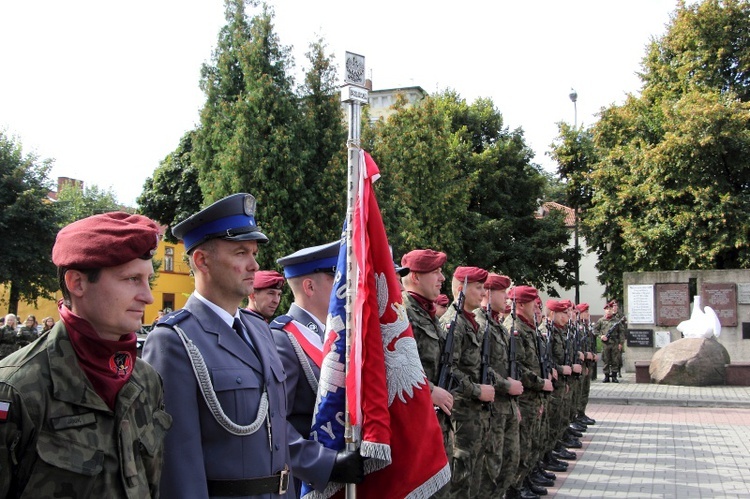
(223, 314)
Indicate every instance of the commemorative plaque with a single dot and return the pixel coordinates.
(722, 297)
(640, 337)
(672, 304)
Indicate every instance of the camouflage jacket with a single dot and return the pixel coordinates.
(25, 336)
(527, 357)
(430, 337)
(59, 439)
(619, 335)
(499, 363)
(467, 357)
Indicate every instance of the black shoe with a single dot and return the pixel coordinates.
(614, 378)
(586, 420)
(525, 493)
(575, 433)
(540, 481)
(572, 443)
(578, 426)
(564, 454)
(544, 472)
(537, 489)
(554, 466)
(606, 378)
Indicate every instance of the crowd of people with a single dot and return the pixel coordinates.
(221, 403)
(14, 335)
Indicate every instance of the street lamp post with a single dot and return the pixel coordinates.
(574, 97)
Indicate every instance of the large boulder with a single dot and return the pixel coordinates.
(690, 362)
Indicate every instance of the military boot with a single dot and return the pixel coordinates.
(606, 378)
(614, 378)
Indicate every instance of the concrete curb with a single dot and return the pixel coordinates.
(669, 402)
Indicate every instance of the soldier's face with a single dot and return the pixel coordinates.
(497, 299)
(115, 303)
(473, 295)
(428, 284)
(267, 301)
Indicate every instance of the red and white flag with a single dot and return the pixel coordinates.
(390, 407)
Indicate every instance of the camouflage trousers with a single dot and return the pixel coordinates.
(472, 429)
(529, 431)
(585, 389)
(555, 409)
(501, 450)
(446, 425)
(611, 358)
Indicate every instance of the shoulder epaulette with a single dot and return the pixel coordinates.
(281, 321)
(174, 318)
(252, 313)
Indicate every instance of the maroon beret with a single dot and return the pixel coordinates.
(265, 279)
(582, 307)
(423, 260)
(496, 282)
(556, 305)
(610, 304)
(105, 240)
(442, 300)
(523, 294)
(567, 304)
(470, 274)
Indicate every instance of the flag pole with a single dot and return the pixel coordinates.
(354, 93)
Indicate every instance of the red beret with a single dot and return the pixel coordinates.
(470, 274)
(556, 305)
(265, 279)
(105, 240)
(582, 307)
(523, 294)
(567, 304)
(442, 300)
(495, 282)
(610, 304)
(424, 260)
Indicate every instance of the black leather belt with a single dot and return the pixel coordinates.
(274, 484)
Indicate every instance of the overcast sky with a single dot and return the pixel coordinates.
(108, 88)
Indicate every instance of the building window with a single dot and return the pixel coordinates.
(169, 259)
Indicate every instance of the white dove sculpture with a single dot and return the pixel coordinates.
(702, 324)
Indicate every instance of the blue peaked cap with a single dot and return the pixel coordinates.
(322, 258)
(231, 218)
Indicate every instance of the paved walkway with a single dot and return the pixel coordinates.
(658, 441)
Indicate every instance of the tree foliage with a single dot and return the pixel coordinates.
(28, 225)
(666, 174)
(74, 203)
(455, 179)
(173, 193)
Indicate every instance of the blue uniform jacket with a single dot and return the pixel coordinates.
(197, 448)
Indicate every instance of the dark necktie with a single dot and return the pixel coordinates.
(240, 330)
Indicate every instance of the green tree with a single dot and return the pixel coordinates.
(247, 139)
(322, 135)
(173, 193)
(28, 225)
(75, 203)
(669, 170)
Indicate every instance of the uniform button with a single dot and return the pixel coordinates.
(239, 380)
(277, 446)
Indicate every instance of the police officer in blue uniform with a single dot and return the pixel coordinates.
(224, 383)
(300, 333)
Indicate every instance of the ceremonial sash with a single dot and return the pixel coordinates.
(313, 351)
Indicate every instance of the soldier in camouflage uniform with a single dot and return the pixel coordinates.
(501, 448)
(421, 288)
(472, 423)
(587, 331)
(531, 402)
(613, 342)
(81, 415)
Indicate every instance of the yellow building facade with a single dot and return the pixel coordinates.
(171, 288)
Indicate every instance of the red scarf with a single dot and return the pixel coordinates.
(108, 364)
(427, 305)
(471, 317)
